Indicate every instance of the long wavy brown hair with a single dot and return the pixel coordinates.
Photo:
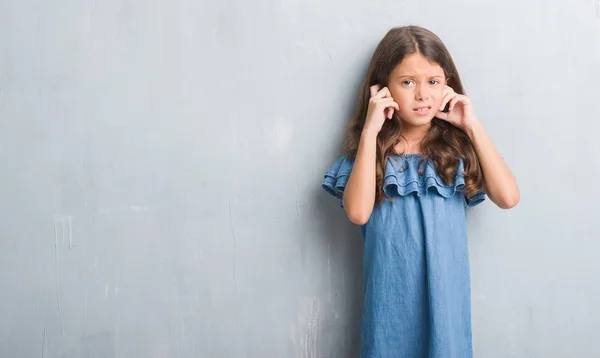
(444, 144)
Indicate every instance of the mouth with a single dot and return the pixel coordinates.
(422, 110)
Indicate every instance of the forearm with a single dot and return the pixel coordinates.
(499, 183)
(359, 194)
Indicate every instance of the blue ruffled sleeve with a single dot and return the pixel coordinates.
(476, 199)
(401, 181)
(337, 176)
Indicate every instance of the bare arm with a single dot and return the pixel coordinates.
(359, 194)
(500, 184)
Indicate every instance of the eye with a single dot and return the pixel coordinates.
(434, 82)
(407, 82)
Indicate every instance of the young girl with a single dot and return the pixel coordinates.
(412, 167)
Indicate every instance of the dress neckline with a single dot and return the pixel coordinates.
(410, 155)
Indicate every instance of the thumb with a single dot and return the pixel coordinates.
(442, 115)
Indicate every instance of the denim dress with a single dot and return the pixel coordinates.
(417, 300)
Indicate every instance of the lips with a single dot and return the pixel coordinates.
(422, 110)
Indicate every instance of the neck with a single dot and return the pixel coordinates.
(411, 138)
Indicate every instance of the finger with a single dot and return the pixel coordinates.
(388, 105)
(446, 99)
(383, 93)
(457, 99)
(388, 102)
(442, 115)
(452, 104)
(390, 112)
(374, 89)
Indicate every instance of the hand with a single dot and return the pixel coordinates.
(381, 107)
(461, 113)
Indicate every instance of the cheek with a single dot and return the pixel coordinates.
(400, 97)
(438, 95)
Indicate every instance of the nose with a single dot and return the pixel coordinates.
(421, 93)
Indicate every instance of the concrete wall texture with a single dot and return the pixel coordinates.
(161, 165)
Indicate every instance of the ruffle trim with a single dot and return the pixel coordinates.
(402, 178)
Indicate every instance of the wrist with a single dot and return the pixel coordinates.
(473, 128)
(369, 133)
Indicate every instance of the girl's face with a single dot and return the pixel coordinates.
(417, 85)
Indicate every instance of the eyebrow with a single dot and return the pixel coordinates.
(434, 76)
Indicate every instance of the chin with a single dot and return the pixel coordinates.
(417, 122)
